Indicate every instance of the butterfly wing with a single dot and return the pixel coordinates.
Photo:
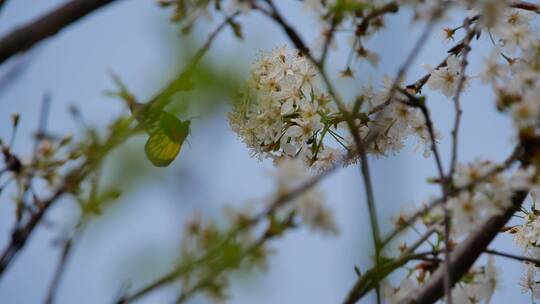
(160, 149)
(166, 138)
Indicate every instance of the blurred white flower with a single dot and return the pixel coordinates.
(309, 205)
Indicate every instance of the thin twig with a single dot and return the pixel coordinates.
(273, 207)
(300, 45)
(372, 277)
(419, 44)
(508, 162)
(457, 96)
(67, 249)
(21, 234)
(454, 50)
(187, 294)
(534, 261)
(329, 37)
(181, 82)
(415, 102)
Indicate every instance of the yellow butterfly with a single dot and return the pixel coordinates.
(167, 132)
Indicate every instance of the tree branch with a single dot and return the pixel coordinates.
(464, 255)
(524, 5)
(364, 284)
(47, 25)
(2, 3)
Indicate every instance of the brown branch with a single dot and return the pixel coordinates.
(2, 3)
(524, 5)
(19, 236)
(465, 254)
(23, 231)
(28, 35)
(363, 284)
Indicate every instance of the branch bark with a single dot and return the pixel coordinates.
(28, 35)
(464, 256)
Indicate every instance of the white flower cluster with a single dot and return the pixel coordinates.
(281, 113)
(527, 236)
(513, 69)
(478, 287)
(292, 174)
(511, 76)
(487, 192)
(514, 31)
(529, 281)
(517, 81)
(394, 124)
(486, 198)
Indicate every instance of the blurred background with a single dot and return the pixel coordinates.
(137, 238)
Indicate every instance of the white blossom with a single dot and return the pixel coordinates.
(529, 283)
(279, 114)
(446, 78)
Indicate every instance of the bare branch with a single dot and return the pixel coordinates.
(67, 249)
(524, 5)
(19, 236)
(2, 3)
(47, 25)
